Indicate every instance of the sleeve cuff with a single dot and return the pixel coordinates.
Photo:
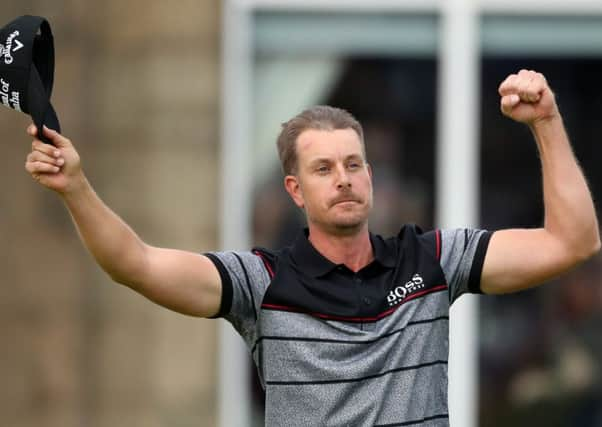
(474, 278)
(226, 302)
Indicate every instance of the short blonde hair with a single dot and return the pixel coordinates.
(320, 117)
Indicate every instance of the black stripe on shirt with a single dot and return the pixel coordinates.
(227, 292)
(415, 422)
(335, 341)
(367, 377)
(474, 278)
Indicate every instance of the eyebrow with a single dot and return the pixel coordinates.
(319, 160)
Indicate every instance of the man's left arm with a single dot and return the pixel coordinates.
(521, 258)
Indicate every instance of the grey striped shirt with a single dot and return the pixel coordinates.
(326, 360)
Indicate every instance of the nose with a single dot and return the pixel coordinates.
(343, 180)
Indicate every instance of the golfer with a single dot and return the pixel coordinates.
(346, 328)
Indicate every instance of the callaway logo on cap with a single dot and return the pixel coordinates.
(27, 70)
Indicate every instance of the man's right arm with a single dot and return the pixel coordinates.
(182, 281)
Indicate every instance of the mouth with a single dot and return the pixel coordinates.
(345, 201)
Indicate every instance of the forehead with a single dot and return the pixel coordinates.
(314, 143)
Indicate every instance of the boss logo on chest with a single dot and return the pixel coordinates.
(401, 292)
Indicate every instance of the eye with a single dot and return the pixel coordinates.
(354, 165)
(322, 169)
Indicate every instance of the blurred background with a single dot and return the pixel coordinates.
(146, 89)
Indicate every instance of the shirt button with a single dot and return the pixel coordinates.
(357, 280)
(367, 301)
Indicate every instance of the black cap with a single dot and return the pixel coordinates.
(27, 70)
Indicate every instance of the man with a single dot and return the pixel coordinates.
(346, 328)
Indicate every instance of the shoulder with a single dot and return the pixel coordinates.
(239, 265)
(411, 235)
(268, 257)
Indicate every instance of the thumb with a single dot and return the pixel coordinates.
(57, 139)
(508, 102)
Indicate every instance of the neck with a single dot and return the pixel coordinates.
(354, 250)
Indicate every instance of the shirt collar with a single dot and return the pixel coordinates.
(308, 258)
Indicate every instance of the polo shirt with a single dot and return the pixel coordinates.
(335, 347)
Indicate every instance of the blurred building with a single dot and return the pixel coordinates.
(137, 90)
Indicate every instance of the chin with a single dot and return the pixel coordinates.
(341, 222)
(349, 225)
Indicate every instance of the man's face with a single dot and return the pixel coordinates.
(333, 182)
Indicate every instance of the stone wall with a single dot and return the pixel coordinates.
(137, 90)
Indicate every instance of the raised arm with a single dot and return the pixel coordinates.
(182, 281)
(521, 258)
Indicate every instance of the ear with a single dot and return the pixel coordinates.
(369, 170)
(291, 184)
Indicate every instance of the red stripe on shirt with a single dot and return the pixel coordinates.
(266, 263)
(353, 319)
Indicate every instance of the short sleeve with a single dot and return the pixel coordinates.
(462, 255)
(244, 281)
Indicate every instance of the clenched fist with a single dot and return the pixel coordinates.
(527, 98)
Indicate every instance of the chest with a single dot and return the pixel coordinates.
(366, 296)
(300, 349)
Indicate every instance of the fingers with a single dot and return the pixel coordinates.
(43, 158)
(48, 150)
(508, 102)
(39, 166)
(39, 162)
(56, 138)
(38, 156)
(527, 84)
